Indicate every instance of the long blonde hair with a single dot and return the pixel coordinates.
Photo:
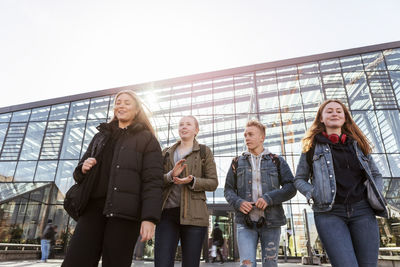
(141, 115)
(349, 128)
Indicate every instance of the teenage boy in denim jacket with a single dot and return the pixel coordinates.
(256, 185)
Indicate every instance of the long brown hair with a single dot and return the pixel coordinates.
(141, 115)
(349, 128)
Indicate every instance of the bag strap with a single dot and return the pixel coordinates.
(274, 158)
(309, 158)
(165, 161)
(234, 166)
(277, 162)
(203, 159)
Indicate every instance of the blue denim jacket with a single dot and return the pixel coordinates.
(322, 189)
(275, 190)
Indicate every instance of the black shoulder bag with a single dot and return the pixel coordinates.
(77, 197)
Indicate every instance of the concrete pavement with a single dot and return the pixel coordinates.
(57, 263)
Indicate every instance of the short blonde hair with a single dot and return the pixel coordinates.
(257, 124)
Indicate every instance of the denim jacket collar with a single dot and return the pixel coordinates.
(247, 154)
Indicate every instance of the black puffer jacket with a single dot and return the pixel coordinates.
(136, 176)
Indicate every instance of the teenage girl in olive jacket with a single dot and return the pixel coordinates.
(185, 215)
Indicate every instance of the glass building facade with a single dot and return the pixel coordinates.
(41, 142)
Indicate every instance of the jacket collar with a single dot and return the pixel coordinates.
(263, 154)
(109, 127)
(196, 146)
(171, 150)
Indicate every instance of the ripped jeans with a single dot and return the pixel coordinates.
(248, 240)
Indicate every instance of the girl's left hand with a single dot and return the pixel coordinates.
(147, 230)
(184, 180)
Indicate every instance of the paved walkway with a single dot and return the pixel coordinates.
(57, 263)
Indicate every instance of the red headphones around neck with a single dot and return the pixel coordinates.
(334, 138)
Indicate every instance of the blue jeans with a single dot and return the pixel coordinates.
(248, 240)
(350, 234)
(168, 233)
(45, 248)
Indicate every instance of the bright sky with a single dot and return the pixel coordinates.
(53, 48)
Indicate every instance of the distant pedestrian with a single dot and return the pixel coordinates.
(53, 243)
(47, 235)
(218, 242)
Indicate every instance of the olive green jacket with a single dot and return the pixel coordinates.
(193, 200)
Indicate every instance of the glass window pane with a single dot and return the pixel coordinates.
(173, 129)
(392, 57)
(46, 170)
(241, 121)
(289, 93)
(245, 98)
(33, 141)
(59, 112)
(224, 135)
(157, 100)
(274, 135)
(7, 169)
(311, 91)
(25, 171)
(72, 143)
(373, 61)
(3, 130)
(367, 122)
(382, 164)
(111, 109)
(161, 126)
(5, 117)
(381, 90)
(79, 110)
(223, 165)
(52, 140)
(223, 96)
(330, 65)
(286, 71)
(309, 117)
(389, 121)
(40, 114)
(292, 161)
(395, 78)
(358, 91)
(13, 141)
(267, 87)
(99, 107)
(21, 116)
(308, 68)
(394, 162)
(64, 179)
(352, 63)
(293, 130)
(393, 193)
(334, 87)
(201, 99)
(205, 135)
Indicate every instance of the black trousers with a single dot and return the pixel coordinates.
(96, 235)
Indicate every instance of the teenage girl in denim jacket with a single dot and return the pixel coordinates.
(338, 175)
